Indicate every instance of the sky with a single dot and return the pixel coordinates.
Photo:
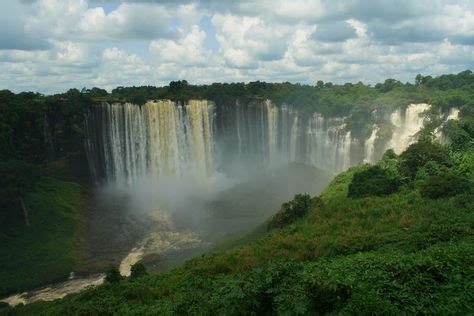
(50, 46)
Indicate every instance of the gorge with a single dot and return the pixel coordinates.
(195, 140)
(163, 175)
(170, 159)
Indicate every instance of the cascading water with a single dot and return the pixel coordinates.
(453, 114)
(161, 138)
(369, 146)
(127, 142)
(328, 144)
(406, 124)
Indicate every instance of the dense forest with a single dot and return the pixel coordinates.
(361, 228)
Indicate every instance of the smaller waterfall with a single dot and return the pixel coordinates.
(406, 124)
(453, 114)
(272, 114)
(328, 144)
(369, 146)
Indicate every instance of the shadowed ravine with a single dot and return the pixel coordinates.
(162, 239)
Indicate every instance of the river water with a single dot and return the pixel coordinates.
(152, 245)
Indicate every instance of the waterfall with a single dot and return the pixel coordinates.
(369, 146)
(438, 132)
(158, 138)
(260, 131)
(453, 114)
(127, 142)
(406, 124)
(328, 144)
(272, 114)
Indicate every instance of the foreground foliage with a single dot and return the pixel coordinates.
(373, 181)
(292, 210)
(46, 250)
(400, 253)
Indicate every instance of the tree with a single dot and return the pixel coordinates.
(113, 275)
(444, 185)
(460, 133)
(388, 85)
(373, 181)
(139, 99)
(418, 79)
(137, 270)
(419, 153)
(292, 210)
(17, 179)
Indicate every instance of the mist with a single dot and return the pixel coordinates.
(177, 217)
(176, 178)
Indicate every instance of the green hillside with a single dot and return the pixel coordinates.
(358, 248)
(46, 249)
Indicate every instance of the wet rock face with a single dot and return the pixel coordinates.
(127, 142)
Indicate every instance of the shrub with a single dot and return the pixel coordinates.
(292, 210)
(444, 185)
(464, 163)
(113, 275)
(137, 270)
(389, 154)
(418, 154)
(430, 169)
(460, 133)
(373, 181)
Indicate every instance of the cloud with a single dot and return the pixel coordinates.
(246, 40)
(186, 51)
(52, 45)
(334, 32)
(13, 34)
(128, 21)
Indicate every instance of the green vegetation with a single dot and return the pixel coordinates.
(45, 250)
(137, 270)
(399, 253)
(113, 275)
(373, 181)
(445, 185)
(419, 154)
(17, 180)
(292, 210)
(392, 239)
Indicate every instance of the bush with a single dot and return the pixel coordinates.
(292, 210)
(113, 275)
(460, 133)
(137, 270)
(389, 154)
(373, 181)
(444, 185)
(418, 154)
(430, 169)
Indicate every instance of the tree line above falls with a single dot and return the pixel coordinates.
(39, 128)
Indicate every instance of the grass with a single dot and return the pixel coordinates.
(47, 250)
(397, 254)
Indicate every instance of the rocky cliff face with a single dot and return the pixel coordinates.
(197, 139)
